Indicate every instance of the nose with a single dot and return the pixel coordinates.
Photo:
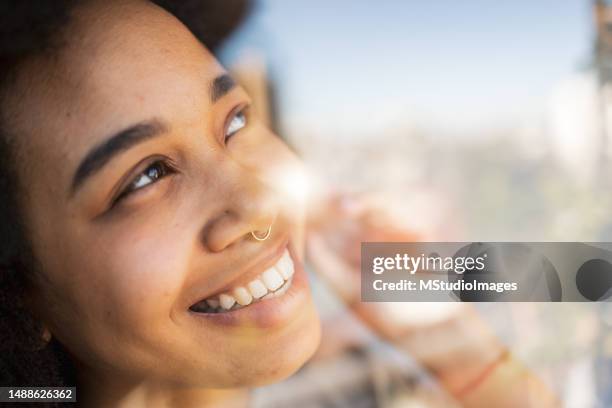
(252, 206)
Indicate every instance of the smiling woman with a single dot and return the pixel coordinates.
(136, 181)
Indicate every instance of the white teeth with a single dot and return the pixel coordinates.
(243, 297)
(272, 279)
(213, 303)
(227, 301)
(279, 292)
(257, 288)
(285, 266)
(274, 282)
(284, 288)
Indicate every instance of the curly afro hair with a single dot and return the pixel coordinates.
(28, 28)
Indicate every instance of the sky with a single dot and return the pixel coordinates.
(356, 65)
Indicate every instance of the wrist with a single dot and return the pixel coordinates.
(470, 366)
(484, 374)
(458, 351)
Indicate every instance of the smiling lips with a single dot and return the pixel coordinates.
(274, 282)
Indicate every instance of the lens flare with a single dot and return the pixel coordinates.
(296, 182)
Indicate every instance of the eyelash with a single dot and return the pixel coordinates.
(154, 171)
(163, 168)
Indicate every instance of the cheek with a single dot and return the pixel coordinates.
(115, 291)
(127, 292)
(144, 276)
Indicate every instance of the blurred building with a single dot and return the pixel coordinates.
(603, 43)
(603, 64)
(251, 71)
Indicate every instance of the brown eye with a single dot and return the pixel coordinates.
(237, 122)
(152, 174)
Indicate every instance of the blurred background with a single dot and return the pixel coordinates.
(466, 121)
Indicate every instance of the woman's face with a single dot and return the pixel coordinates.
(144, 172)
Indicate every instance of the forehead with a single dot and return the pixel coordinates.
(119, 63)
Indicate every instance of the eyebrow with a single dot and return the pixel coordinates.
(121, 141)
(100, 155)
(220, 86)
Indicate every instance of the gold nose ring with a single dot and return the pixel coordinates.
(264, 237)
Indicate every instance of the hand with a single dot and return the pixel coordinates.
(447, 338)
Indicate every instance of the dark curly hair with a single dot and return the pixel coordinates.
(28, 28)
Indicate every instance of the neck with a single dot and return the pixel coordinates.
(119, 393)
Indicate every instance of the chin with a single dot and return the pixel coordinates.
(274, 358)
(284, 360)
